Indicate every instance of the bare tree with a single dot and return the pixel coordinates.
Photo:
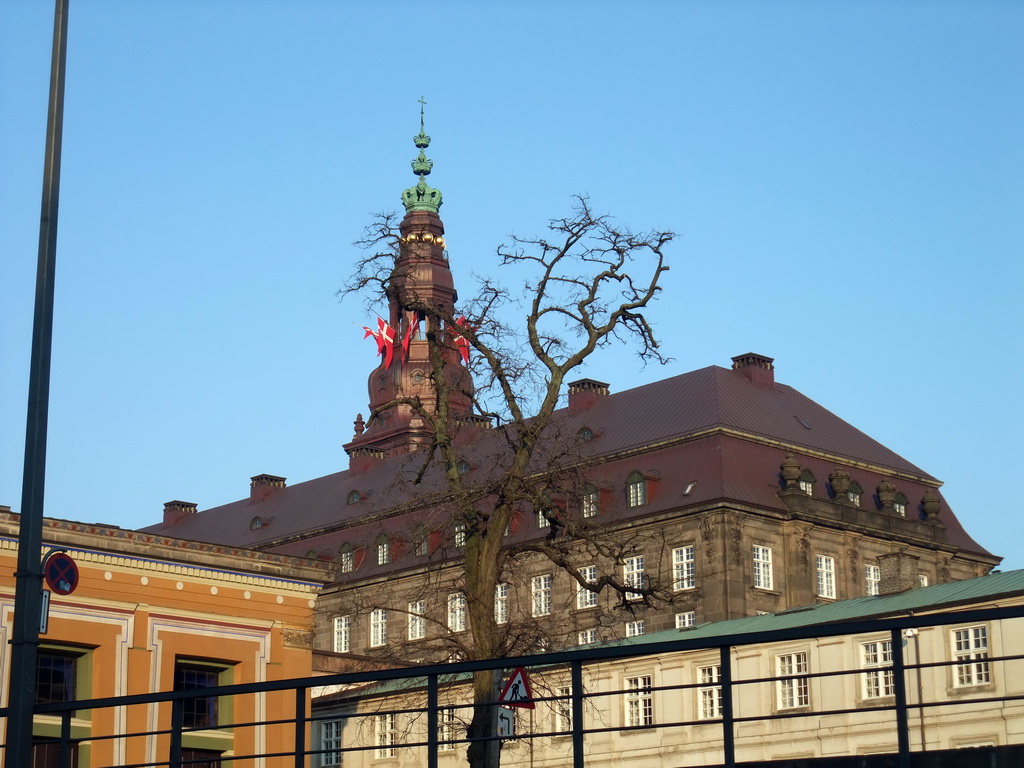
(587, 285)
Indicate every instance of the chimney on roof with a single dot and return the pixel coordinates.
(899, 572)
(264, 485)
(757, 368)
(176, 511)
(584, 393)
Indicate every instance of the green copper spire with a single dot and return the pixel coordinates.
(422, 197)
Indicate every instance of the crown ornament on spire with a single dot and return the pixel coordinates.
(422, 197)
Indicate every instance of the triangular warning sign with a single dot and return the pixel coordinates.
(517, 691)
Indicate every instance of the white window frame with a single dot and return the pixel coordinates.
(636, 490)
(709, 694)
(970, 648)
(633, 575)
(635, 628)
(826, 569)
(378, 627)
(459, 536)
(542, 519)
(684, 567)
(383, 552)
(501, 603)
(638, 702)
(330, 741)
(686, 619)
(590, 503)
(385, 735)
(872, 579)
(586, 598)
(447, 728)
(586, 636)
(561, 710)
(417, 620)
(346, 561)
(540, 594)
(342, 637)
(763, 575)
(795, 691)
(456, 612)
(878, 681)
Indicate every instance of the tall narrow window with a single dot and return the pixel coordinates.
(586, 598)
(342, 634)
(378, 627)
(807, 482)
(330, 742)
(684, 568)
(970, 651)
(346, 561)
(457, 612)
(501, 604)
(636, 490)
(639, 702)
(900, 505)
(383, 551)
(460, 535)
(876, 657)
(710, 691)
(589, 501)
(447, 728)
(202, 711)
(872, 579)
(826, 576)
(540, 592)
(562, 709)
(854, 493)
(542, 519)
(792, 692)
(763, 567)
(384, 735)
(633, 576)
(417, 620)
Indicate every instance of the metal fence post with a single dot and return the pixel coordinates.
(577, 714)
(300, 727)
(177, 723)
(64, 758)
(432, 704)
(899, 679)
(728, 730)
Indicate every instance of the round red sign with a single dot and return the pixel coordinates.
(61, 573)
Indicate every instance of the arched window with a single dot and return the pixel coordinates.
(899, 505)
(383, 550)
(636, 490)
(807, 482)
(346, 559)
(353, 497)
(854, 493)
(585, 435)
(256, 523)
(462, 467)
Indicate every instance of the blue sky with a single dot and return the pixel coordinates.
(846, 180)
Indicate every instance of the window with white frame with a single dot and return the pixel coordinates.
(686, 619)
(922, 580)
(346, 561)
(634, 628)
(806, 482)
(460, 535)
(872, 579)
(383, 551)
(447, 728)
(589, 501)
(540, 593)
(561, 714)
(684, 568)
(710, 691)
(457, 612)
(417, 620)
(636, 490)
(501, 604)
(342, 634)
(586, 598)
(586, 636)
(970, 651)
(330, 742)
(639, 701)
(542, 519)
(385, 735)
(876, 658)
(633, 575)
(826, 576)
(792, 692)
(378, 627)
(763, 578)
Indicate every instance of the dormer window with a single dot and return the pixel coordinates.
(383, 551)
(346, 559)
(636, 490)
(854, 493)
(585, 435)
(256, 523)
(807, 482)
(353, 497)
(460, 535)
(462, 467)
(589, 501)
(899, 505)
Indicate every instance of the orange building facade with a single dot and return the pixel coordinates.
(152, 613)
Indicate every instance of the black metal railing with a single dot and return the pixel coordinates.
(292, 714)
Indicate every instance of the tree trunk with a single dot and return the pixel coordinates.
(484, 754)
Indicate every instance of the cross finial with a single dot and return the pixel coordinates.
(423, 103)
